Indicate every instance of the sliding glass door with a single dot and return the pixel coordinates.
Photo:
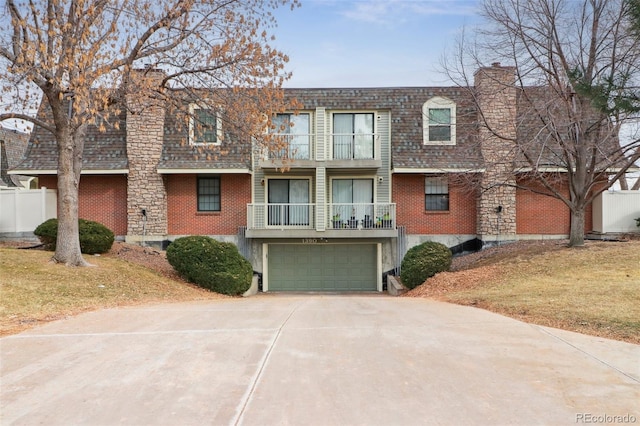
(353, 200)
(288, 201)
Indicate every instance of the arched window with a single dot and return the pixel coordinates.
(439, 121)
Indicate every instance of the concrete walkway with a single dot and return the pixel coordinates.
(313, 360)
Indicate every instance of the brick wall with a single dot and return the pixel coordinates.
(101, 198)
(544, 215)
(184, 218)
(408, 194)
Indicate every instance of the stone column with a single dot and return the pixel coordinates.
(146, 190)
(496, 97)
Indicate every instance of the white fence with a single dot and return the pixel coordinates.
(23, 210)
(616, 211)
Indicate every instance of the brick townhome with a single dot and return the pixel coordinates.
(373, 171)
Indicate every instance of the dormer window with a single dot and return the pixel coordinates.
(205, 126)
(439, 121)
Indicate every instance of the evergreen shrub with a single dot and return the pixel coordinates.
(214, 265)
(424, 261)
(94, 237)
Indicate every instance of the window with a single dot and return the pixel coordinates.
(439, 121)
(297, 131)
(205, 126)
(353, 136)
(209, 194)
(436, 194)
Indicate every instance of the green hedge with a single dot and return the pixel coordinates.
(94, 236)
(211, 264)
(424, 261)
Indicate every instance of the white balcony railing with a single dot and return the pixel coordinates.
(361, 216)
(280, 216)
(297, 147)
(353, 146)
(339, 216)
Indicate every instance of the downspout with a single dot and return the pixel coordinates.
(144, 224)
(498, 217)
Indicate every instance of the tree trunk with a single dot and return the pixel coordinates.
(69, 166)
(576, 236)
(623, 183)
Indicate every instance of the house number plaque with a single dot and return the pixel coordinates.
(309, 241)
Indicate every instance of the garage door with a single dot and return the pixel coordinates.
(322, 267)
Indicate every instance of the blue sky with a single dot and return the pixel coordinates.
(370, 43)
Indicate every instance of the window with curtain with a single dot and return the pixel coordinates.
(288, 201)
(436, 193)
(353, 136)
(296, 128)
(209, 194)
(352, 199)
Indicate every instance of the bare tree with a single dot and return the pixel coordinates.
(86, 57)
(576, 72)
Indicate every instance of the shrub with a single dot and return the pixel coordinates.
(94, 236)
(424, 261)
(638, 222)
(211, 264)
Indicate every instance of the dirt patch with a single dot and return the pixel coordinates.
(148, 257)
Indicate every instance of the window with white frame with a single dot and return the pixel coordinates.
(205, 126)
(353, 136)
(436, 193)
(439, 121)
(296, 130)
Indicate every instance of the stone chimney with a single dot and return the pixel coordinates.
(496, 98)
(146, 191)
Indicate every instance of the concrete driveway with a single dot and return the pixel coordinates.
(313, 360)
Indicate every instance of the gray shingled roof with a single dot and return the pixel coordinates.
(233, 153)
(537, 141)
(14, 146)
(107, 150)
(405, 104)
(102, 150)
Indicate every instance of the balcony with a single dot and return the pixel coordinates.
(296, 152)
(360, 220)
(361, 216)
(355, 150)
(347, 151)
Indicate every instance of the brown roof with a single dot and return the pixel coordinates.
(233, 153)
(405, 104)
(105, 150)
(539, 139)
